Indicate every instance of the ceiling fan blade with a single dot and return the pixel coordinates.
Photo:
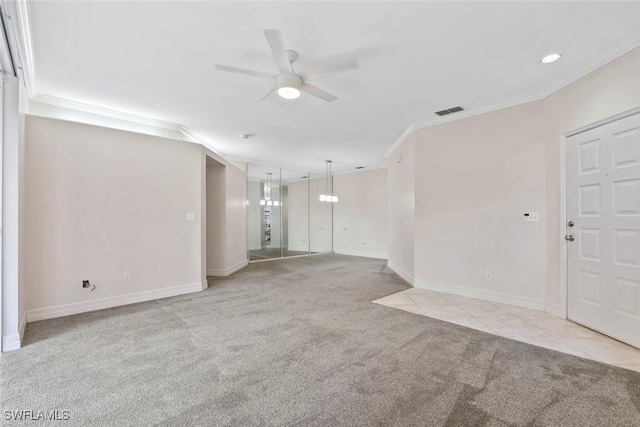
(312, 90)
(274, 38)
(329, 70)
(270, 92)
(245, 71)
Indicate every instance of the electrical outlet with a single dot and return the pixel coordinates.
(127, 277)
(487, 275)
(191, 216)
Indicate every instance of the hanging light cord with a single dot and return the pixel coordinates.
(326, 170)
(330, 180)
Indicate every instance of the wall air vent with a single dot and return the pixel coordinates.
(449, 111)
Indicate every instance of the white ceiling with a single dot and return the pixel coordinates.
(156, 59)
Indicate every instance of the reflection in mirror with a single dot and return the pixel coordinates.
(296, 212)
(284, 214)
(264, 213)
(320, 215)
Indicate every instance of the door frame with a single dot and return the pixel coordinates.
(564, 258)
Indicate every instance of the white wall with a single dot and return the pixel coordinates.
(476, 179)
(102, 203)
(476, 176)
(216, 218)
(401, 207)
(13, 214)
(22, 204)
(315, 228)
(320, 217)
(236, 221)
(298, 215)
(360, 217)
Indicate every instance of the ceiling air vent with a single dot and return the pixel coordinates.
(449, 111)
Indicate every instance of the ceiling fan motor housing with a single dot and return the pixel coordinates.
(289, 80)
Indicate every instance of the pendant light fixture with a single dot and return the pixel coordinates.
(267, 193)
(329, 196)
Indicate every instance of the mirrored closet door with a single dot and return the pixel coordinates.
(284, 216)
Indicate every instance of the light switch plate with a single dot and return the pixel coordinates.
(191, 216)
(532, 217)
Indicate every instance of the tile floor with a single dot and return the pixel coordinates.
(521, 324)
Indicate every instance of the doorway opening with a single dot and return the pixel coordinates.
(215, 216)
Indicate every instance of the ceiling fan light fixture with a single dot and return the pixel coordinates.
(289, 86)
(287, 92)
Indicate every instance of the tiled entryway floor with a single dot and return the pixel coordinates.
(521, 324)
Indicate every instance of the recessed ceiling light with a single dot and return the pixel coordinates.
(550, 58)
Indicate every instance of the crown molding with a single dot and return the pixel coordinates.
(615, 52)
(462, 115)
(405, 135)
(104, 112)
(195, 137)
(17, 12)
(175, 130)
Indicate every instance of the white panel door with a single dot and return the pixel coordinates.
(603, 203)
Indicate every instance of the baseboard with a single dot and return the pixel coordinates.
(320, 250)
(400, 272)
(227, 271)
(11, 342)
(376, 255)
(109, 302)
(14, 342)
(554, 310)
(481, 294)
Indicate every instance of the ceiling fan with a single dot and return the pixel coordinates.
(290, 83)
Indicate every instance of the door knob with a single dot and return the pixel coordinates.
(569, 237)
